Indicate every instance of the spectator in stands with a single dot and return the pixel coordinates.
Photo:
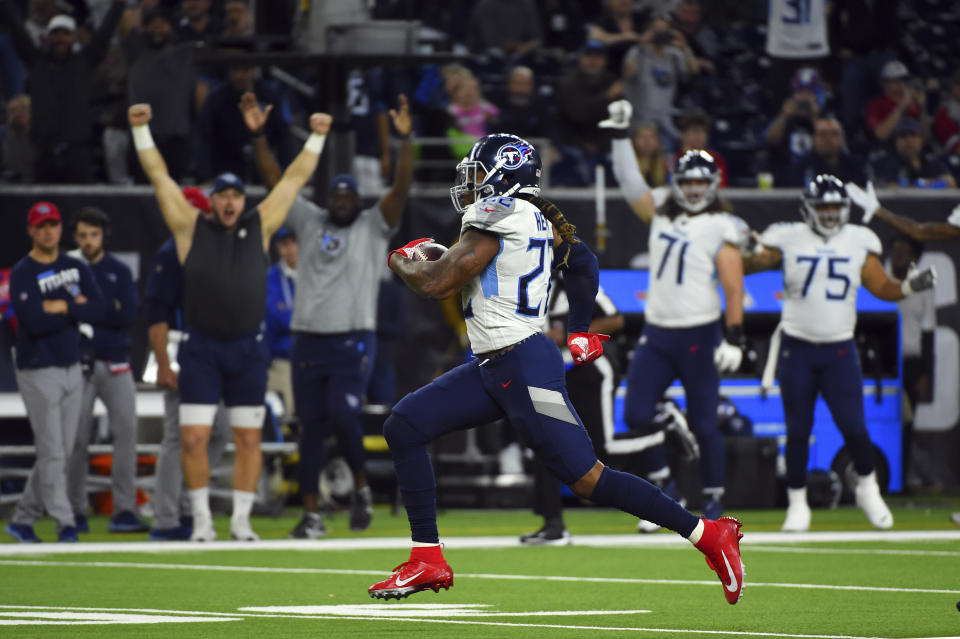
(507, 27)
(108, 97)
(703, 40)
(909, 165)
(372, 162)
(694, 127)
(901, 98)
(162, 74)
(471, 112)
(281, 288)
(105, 356)
(582, 97)
(796, 38)
(237, 19)
(52, 293)
(829, 155)
(618, 30)
(60, 86)
(225, 140)
(19, 152)
(652, 72)
(863, 35)
(650, 158)
(561, 23)
(523, 111)
(39, 15)
(918, 315)
(197, 22)
(946, 124)
(789, 136)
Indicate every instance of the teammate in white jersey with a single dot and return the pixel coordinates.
(693, 244)
(824, 261)
(501, 266)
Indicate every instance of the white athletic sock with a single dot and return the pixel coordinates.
(423, 544)
(797, 495)
(697, 533)
(200, 503)
(242, 504)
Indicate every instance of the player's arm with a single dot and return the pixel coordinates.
(178, 214)
(764, 259)
(256, 120)
(393, 201)
(625, 167)
(158, 334)
(274, 208)
(444, 277)
(876, 280)
(921, 231)
(730, 274)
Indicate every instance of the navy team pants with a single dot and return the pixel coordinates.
(330, 373)
(663, 355)
(832, 370)
(527, 386)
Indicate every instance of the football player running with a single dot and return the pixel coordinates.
(824, 260)
(501, 268)
(693, 243)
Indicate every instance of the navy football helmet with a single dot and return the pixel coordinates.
(695, 180)
(498, 164)
(825, 205)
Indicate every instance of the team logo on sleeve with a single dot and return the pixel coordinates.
(514, 155)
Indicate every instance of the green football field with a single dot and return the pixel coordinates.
(841, 580)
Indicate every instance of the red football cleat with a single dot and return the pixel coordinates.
(721, 545)
(413, 576)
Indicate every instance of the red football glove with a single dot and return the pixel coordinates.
(406, 249)
(586, 347)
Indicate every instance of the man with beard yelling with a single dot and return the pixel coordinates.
(105, 354)
(162, 74)
(335, 312)
(224, 269)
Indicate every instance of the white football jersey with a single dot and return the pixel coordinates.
(821, 276)
(797, 29)
(683, 273)
(507, 301)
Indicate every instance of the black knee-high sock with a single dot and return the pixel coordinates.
(642, 499)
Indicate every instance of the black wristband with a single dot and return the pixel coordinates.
(734, 335)
(258, 133)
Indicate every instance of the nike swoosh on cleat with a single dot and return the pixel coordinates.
(731, 587)
(404, 582)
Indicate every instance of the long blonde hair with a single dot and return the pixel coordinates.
(652, 165)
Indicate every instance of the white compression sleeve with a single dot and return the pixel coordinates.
(142, 140)
(627, 171)
(315, 142)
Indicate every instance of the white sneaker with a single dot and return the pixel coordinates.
(868, 498)
(645, 527)
(203, 530)
(240, 530)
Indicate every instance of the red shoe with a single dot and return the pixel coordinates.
(413, 576)
(721, 545)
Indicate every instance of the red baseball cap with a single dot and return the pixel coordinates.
(42, 212)
(197, 198)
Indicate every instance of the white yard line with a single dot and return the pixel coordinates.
(381, 543)
(499, 577)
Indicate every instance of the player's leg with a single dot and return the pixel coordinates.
(119, 394)
(649, 375)
(70, 404)
(168, 476)
(701, 383)
(349, 371)
(79, 463)
(453, 401)
(200, 383)
(310, 395)
(798, 391)
(244, 389)
(542, 413)
(842, 389)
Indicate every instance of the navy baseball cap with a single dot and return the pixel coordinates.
(594, 47)
(284, 231)
(226, 181)
(343, 181)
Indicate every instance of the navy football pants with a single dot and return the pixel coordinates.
(663, 355)
(832, 370)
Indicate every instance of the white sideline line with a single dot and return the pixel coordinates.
(734, 633)
(856, 551)
(499, 577)
(453, 543)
